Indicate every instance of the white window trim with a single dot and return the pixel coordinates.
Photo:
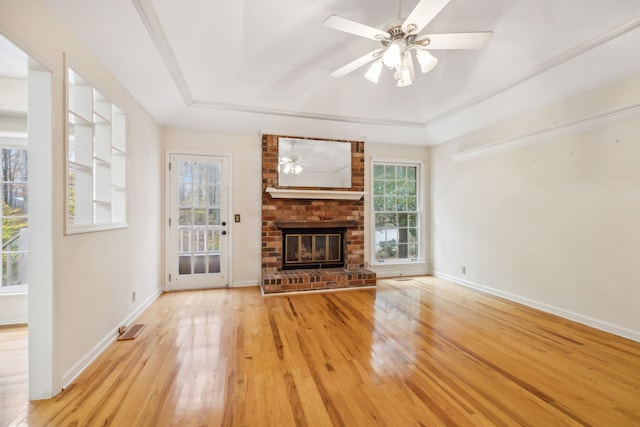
(420, 181)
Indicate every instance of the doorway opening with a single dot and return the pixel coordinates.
(26, 176)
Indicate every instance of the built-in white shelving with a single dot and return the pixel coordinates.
(96, 159)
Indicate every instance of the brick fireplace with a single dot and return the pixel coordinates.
(321, 215)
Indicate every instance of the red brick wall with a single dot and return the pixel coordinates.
(310, 210)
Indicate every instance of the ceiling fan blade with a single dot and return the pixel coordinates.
(456, 40)
(422, 14)
(354, 65)
(342, 24)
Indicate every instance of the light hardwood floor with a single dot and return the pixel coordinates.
(13, 373)
(417, 352)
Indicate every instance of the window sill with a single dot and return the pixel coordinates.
(13, 291)
(91, 228)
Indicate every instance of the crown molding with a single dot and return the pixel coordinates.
(573, 127)
(539, 69)
(156, 32)
(305, 115)
(160, 40)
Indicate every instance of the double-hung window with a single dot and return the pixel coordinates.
(396, 212)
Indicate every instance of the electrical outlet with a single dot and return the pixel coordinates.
(464, 270)
(133, 296)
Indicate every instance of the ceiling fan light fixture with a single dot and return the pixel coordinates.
(392, 57)
(292, 168)
(403, 75)
(426, 60)
(373, 74)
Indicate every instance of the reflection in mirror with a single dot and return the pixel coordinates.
(314, 163)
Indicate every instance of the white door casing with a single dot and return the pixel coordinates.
(197, 241)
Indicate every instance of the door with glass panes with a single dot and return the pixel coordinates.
(198, 223)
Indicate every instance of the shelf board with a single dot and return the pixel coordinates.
(281, 193)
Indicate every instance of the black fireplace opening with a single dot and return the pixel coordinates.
(312, 248)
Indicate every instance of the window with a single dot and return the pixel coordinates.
(396, 212)
(96, 159)
(15, 237)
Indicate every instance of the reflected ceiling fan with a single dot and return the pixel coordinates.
(291, 164)
(401, 38)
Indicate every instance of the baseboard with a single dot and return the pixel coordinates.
(576, 317)
(386, 271)
(71, 374)
(245, 284)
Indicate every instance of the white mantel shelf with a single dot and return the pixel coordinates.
(282, 193)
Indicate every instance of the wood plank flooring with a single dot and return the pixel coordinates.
(14, 381)
(418, 352)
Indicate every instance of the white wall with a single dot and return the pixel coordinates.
(391, 152)
(94, 273)
(548, 218)
(245, 151)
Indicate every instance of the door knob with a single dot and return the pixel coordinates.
(224, 232)
(224, 223)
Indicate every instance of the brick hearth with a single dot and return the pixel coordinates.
(276, 211)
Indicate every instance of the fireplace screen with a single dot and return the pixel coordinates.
(312, 250)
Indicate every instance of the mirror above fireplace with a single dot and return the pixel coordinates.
(314, 163)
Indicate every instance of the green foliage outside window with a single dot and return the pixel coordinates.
(396, 215)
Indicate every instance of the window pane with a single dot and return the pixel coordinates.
(214, 195)
(214, 173)
(200, 195)
(390, 203)
(184, 240)
(185, 217)
(378, 172)
(200, 240)
(401, 188)
(199, 264)
(200, 216)
(402, 172)
(184, 264)
(184, 195)
(390, 172)
(216, 241)
(214, 263)
(378, 188)
(412, 204)
(411, 173)
(413, 220)
(378, 203)
(390, 187)
(184, 172)
(403, 220)
(214, 216)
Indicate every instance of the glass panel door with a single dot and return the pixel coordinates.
(199, 222)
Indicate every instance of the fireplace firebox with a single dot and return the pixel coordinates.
(305, 248)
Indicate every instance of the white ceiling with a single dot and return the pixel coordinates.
(251, 65)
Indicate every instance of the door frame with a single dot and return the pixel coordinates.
(166, 229)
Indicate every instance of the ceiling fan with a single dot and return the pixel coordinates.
(291, 164)
(400, 38)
